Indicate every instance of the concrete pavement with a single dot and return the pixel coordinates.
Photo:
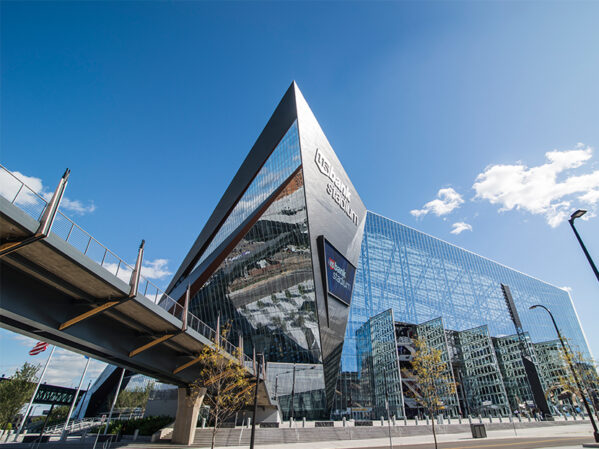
(565, 437)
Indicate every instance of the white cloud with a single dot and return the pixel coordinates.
(447, 200)
(67, 367)
(9, 188)
(77, 206)
(460, 227)
(151, 269)
(25, 341)
(156, 269)
(537, 189)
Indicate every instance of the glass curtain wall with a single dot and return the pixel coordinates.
(380, 365)
(264, 287)
(552, 369)
(421, 278)
(283, 161)
(433, 333)
(509, 355)
(482, 382)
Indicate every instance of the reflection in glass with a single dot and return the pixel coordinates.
(422, 278)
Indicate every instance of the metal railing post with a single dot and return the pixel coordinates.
(52, 207)
(185, 308)
(135, 275)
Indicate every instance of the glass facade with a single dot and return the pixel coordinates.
(433, 333)
(481, 379)
(509, 355)
(552, 368)
(379, 366)
(298, 389)
(421, 278)
(283, 161)
(265, 286)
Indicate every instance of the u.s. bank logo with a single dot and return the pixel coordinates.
(336, 188)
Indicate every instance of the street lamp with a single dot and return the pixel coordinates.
(253, 434)
(579, 213)
(561, 340)
(387, 406)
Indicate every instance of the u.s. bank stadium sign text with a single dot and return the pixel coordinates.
(336, 189)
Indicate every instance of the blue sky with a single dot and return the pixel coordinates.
(488, 107)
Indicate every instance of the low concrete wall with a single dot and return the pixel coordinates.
(283, 435)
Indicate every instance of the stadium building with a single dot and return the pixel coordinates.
(333, 295)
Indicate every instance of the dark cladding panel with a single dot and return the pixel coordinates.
(336, 212)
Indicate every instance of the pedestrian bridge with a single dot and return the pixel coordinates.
(69, 289)
(62, 286)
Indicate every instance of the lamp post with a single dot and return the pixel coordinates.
(387, 407)
(579, 213)
(253, 434)
(292, 395)
(584, 400)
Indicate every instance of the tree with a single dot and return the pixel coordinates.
(137, 397)
(228, 386)
(433, 379)
(565, 385)
(15, 393)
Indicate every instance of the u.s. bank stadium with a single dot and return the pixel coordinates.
(334, 295)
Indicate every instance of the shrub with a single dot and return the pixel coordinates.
(146, 426)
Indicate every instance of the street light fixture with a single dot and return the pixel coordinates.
(579, 213)
(584, 400)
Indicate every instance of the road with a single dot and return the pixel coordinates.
(509, 443)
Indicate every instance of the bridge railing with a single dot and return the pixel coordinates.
(33, 203)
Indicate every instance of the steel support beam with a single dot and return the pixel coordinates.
(186, 365)
(151, 344)
(88, 314)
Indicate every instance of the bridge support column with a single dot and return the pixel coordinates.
(188, 408)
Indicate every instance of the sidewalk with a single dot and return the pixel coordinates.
(493, 440)
(579, 430)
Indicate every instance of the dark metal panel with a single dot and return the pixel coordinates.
(278, 124)
(336, 212)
